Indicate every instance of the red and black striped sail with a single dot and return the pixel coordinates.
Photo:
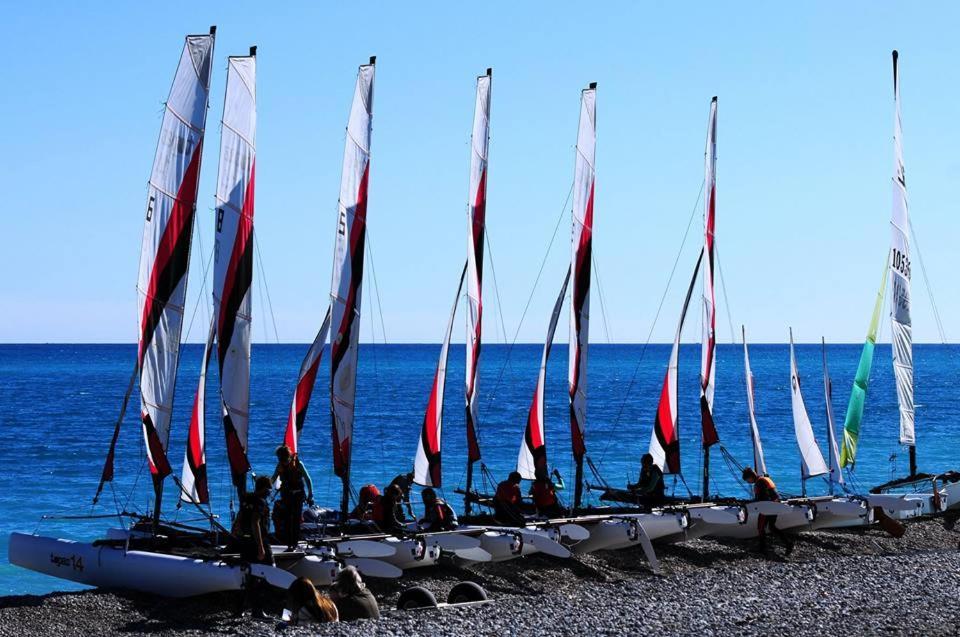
(305, 382)
(580, 261)
(476, 223)
(194, 476)
(427, 469)
(346, 284)
(165, 252)
(533, 449)
(665, 441)
(233, 255)
(708, 363)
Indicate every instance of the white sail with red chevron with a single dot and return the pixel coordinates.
(476, 228)
(346, 284)
(533, 448)
(165, 253)
(427, 465)
(581, 259)
(233, 255)
(305, 382)
(708, 367)
(193, 480)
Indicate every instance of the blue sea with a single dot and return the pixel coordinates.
(58, 404)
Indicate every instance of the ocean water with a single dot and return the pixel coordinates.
(58, 404)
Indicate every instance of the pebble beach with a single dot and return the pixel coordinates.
(835, 582)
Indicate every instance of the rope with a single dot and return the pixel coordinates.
(376, 287)
(203, 286)
(926, 282)
(264, 286)
(373, 349)
(735, 468)
(603, 305)
(723, 286)
(496, 289)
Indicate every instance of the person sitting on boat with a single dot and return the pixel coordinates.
(388, 516)
(353, 599)
(296, 488)
(543, 491)
(649, 489)
(250, 531)
(306, 604)
(764, 490)
(368, 502)
(405, 482)
(439, 516)
(506, 501)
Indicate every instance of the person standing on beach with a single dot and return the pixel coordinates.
(250, 531)
(649, 489)
(352, 598)
(405, 482)
(296, 488)
(764, 490)
(506, 501)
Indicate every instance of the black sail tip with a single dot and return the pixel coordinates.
(213, 29)
(373, 59)
(253, 51)
(714, 99)
(895, 55)
(489, 71)
(592, 85)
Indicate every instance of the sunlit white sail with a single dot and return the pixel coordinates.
(708, 368)
(759, 464)
(836, 475)
(812, 458)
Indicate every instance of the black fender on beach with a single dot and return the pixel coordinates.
(466, 592)
(416, 597)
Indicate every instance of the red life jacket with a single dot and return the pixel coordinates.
(544, 495)
(508, 493)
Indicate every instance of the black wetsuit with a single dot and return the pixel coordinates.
(649, 488)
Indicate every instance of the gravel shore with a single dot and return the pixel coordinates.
(835, 582)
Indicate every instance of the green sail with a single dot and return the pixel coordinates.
(851, 425)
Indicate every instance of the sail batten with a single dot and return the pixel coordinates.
(533, 448)
(708, 368)
(233, 256)
(306, 379)
(810, 454)
(759, 463)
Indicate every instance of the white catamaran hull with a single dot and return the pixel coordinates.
(836, 513)
(789, 516)
(627, 530)
(156, 573)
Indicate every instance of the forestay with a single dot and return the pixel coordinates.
(305, 382)
(533, 448)
(759, 464)
(165, 251)
(194, 476)
(811, 457)
(233, 255)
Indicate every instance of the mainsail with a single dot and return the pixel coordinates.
(427, 468)
(165, 252)
(305, 382)
(708, 368)
(858, 395)
(812, 459)
(836, 475)
(665, 439)
(193, 479)
(580, 262)
(533, 449)
(345, 287)
(476, 223)
(233, 255)
(902, 335)
(759, 464)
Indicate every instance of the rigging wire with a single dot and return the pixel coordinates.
(376, 286)
(264, 286)
(373, 336)
(926, 282)
(603, 305)
(723, 286)
(496, 288)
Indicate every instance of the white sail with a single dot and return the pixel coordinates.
(165, 251)
(346, 285)
(476, 227)
(233, 255)
(813, 464)
(708, 343)
(194, 476)
(427, 468)
(304, 390)
(902, 337)
(533, 448)
(836, 475)
(759, 464)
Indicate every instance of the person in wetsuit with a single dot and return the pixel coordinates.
(438, 515)
(296, 488)
(649, 488)
(389, 516)
(764, 490)
(506, 501)
(543, 491)
(250, 538)
(405, 482)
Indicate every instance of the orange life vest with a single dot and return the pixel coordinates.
(544, 495)
(508, 493)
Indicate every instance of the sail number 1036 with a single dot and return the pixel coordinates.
(900, 262)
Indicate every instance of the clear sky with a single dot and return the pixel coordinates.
(805, 157)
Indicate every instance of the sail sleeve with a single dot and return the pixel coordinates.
(810, 454)
(476, 228)
(346, 284)
(194, 476)
(759, 463)
(427, 467)
(858, 395)
(581, 259)
(304, 390)
(165, 251)
(708, 370)
(665, 439)
(836, 475)
(233, 255)
(533, 448)
(902, 334)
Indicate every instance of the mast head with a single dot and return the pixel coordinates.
(253, 51)
(213, 29)
(489, 72)
(895, 55)
(714, 99)
(373, 60)
(592, 85)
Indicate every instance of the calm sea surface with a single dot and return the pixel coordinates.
(58, 404)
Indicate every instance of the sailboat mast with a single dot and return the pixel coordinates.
(836, 474)
(476, 222)
(580, 264)
(902, 334)
(346, 283)
(709, 338)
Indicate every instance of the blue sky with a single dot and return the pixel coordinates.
(805, 157)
